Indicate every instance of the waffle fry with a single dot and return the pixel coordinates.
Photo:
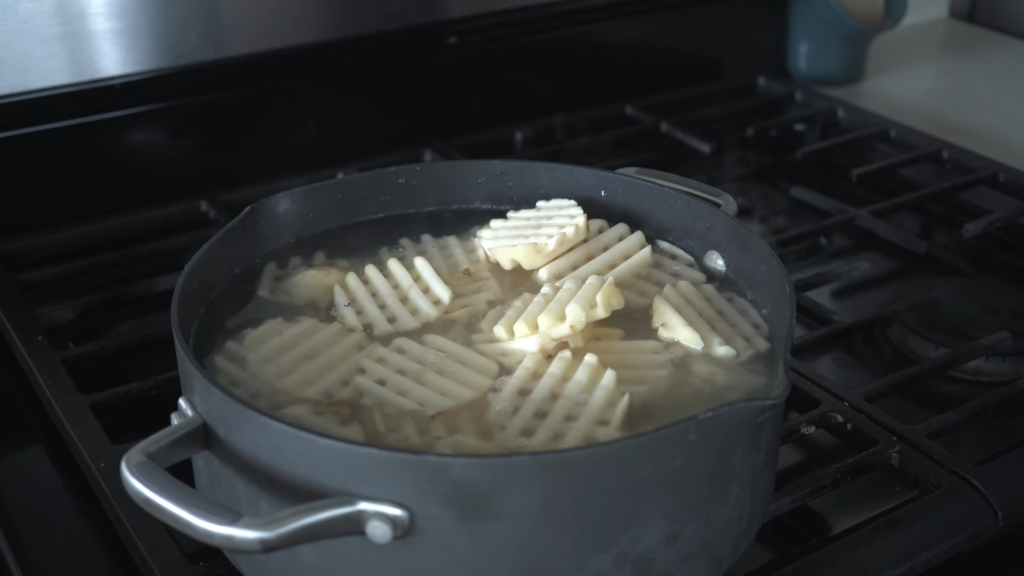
(701, 319)
(303, 281)
(462, 267)
(669, 265)
(531, 238)
(558, 404)
(614, 252)
(640, 365)
(749, 313)
(305, 358)
(432, 377)
(335, 420)
(559, 312)
(400, 302)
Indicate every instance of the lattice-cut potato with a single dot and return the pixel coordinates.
(642, 366)
(702, 320)
(462, 267)
(510, 353)
(614, 252)
(337, 420)
(560, 312)
(303, 281)
(305, 358)
(403, 429)
(531, 238)
(430, 377)
(402, 301)
(464, 430)
(558, 404)
(669, 265)
(749, 313)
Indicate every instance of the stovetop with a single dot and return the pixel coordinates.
(903, 433)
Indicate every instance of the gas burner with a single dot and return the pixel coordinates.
(958, 313)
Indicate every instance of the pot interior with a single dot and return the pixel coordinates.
(348, 220)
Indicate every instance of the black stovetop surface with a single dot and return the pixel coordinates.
(902, 444)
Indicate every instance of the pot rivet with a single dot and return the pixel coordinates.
(714, 262)
(379, 529)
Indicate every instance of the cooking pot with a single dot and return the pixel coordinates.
(686, 498)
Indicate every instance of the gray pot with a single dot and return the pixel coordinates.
(683, 499)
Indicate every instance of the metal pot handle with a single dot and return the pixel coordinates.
(181, 507)
(724, 201)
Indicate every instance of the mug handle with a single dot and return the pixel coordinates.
(181, 507)
(724, 201)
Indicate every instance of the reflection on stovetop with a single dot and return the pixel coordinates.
(906, 420)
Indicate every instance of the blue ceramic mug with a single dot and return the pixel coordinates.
(829, 46)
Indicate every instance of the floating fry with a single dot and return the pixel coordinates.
(531, 238)
(399, 302)
(303, 281)
(615, 252)
(669, 265)
(702, 320)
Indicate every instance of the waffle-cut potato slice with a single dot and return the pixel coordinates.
(702, 320)
(399, 302)
(432, 377)
(336, 420)
(510, 353)
(558, 404)
(641, 365)
(305, 358)
(669, 265)
(303, 281)
(749, 313)
(464, 430)
(615, 252)
(462, 267)
(560, 312)
(531, 238)
(406, 430)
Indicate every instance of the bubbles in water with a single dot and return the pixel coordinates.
(603, 193)
(677, 267)
(401, 180)
(503, 407)
(396, 249)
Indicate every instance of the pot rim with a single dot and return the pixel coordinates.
(782, 370)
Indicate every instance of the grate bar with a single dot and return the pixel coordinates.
(808, 423)
(882, 229)
(136, 252)
(790, 120)
(816, 311)
(136, 387)
(854, 137)
(824, 481)
(831, 333)
(992, 221)
(110, 345)
(895, 162)
(688, 137)
(937, 363)
(935, 425)
(722, 111)
(54, 314)
(826, 277)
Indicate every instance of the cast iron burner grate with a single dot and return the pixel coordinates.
(870, 218)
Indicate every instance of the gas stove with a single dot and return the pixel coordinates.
(904, 430)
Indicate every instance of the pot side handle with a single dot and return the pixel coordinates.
(724, 201)
(181, 507)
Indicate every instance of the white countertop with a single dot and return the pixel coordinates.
(955, 81)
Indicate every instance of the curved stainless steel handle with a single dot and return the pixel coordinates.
(724, 201)
(177, 505)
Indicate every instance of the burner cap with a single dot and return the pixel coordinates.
(959, 312)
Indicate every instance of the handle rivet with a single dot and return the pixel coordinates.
(379, 529)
